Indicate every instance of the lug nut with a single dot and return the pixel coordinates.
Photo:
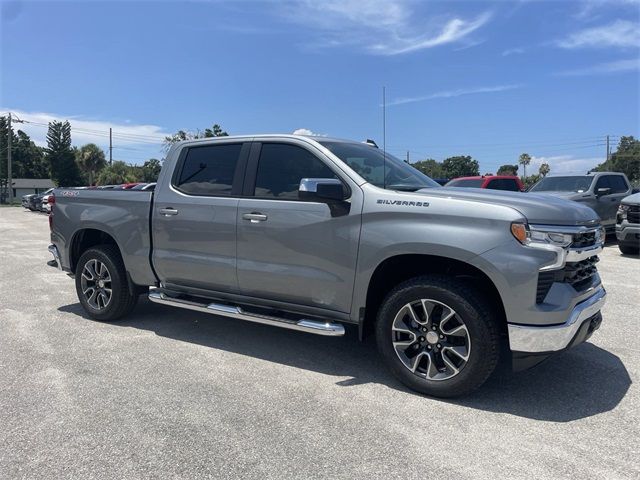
(429, 347)
(422, 339)
(441, 336)
(433, 328)
(424, 329)
(439, 345)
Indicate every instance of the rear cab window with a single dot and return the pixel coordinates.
(470, 182)
(508, 184)
(209, 170)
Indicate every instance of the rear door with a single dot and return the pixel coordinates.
(290, 250)
(194, 218)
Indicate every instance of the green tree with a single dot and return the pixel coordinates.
(181, 135)
(215, 131)
(91, 160)
(508, 170)
(460, 166)
(27, 159)
(150, 170)
(116, 173)
(625, 159)
(524, 160)
(530, 180)
(544, 169)
(61, 157)
(430, 167)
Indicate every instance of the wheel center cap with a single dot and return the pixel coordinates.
(432, 337)
(101, 285)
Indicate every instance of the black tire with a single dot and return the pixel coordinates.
(629, 249)
(476, 314)
(121, 301)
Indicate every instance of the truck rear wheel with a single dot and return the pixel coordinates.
(438, 336)
(101, 284)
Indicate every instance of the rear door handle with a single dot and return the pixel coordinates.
(254, 217)
(169, 211)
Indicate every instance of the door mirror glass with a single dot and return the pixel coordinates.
(603, 191)
(321, 189)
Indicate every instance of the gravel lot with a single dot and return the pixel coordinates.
(176, 394)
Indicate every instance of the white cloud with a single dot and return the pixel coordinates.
(383, 27)
(132, 143)
(621, 33)
(560, 164)
(513, 51)
(618, 66)
(454, 93)
(84, 130)
(306, 131)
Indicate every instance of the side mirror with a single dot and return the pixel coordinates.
(321, 189)
(602, 192)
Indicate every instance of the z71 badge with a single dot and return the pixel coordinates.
(403, 203)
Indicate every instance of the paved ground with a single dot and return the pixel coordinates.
(170, 393)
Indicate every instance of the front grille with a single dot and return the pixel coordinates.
(576, 274)
(582, 240)
(633, 214)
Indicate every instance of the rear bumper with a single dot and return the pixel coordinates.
(53, 250)
(554, 338)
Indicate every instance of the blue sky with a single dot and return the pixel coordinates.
(487, 79)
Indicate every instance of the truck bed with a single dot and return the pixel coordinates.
(122, 214)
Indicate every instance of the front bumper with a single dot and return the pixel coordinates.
(549, 339)
(628, 233)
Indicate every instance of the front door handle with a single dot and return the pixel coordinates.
(254, 217)
(169, 211)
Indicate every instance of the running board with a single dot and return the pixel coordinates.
(303, 325)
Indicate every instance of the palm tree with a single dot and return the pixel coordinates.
(524, 160)
(91, 160)
(544, 169)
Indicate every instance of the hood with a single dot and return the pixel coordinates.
(632, 199)
(537, 208)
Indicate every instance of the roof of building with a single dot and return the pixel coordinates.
(32, 183)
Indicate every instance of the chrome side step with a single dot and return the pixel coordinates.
(303, 325)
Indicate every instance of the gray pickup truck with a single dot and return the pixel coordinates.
(602, 191)
(314, 234)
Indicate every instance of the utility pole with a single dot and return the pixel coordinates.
(408, 156)
(9, 180)
(110, 147)
(607, 156)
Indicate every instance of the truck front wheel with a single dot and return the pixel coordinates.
(101, 284)
(438, 336)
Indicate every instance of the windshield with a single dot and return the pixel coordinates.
(470, 182)
(580, 183)
(369, 163)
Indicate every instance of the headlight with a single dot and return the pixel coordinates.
(528, 235)
(622, 211)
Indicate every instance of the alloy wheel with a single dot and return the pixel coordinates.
(96, 284)
(430, 339)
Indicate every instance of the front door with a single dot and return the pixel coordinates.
(194, 220)
(607, 205)
(290, 250)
